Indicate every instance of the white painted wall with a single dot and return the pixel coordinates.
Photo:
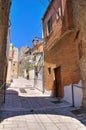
(15, 58)
(31, 74)
(78, 94)
(39, 81)
(8, 44)
(9, 71)
(25, 73)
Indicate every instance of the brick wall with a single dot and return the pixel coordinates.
(61, 47)
(59, 26)
(79, 12)
(65, 55)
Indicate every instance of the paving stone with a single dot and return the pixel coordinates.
(35, 111)
(1, 126)
(6, 126)
(21, 128)
(6, 129)
(81, 129)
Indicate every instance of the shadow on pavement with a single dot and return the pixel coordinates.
(16, 105)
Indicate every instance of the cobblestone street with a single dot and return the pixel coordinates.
(27, 108)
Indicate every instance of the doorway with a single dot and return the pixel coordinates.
(58, 87)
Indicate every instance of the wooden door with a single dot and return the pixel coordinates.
(58, 87)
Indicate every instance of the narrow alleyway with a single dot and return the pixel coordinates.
(28, 109)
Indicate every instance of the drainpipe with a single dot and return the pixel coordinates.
(73, 96)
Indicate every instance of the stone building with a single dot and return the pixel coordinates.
(25, 58)
(61, 52)
(37, 52)
(10, 59)
(14, 70)
(7, 50)
(79, 17)
(4, 25)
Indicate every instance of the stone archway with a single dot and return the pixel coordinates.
(4, 24)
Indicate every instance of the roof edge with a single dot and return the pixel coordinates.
(47, 9)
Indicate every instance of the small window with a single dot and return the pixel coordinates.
(30, 52)
(49, 26)
(36, 72)
(58, 14)
(80, 49)
(49, 70)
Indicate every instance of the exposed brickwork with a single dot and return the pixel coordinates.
(64, 54)
(61, 47)
(59, 25)
(79, 12)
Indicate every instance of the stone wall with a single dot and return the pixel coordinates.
(14, 69)
(4, 22)
(79, 13)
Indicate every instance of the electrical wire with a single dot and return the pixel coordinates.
(36, 32)
(49, 2)
(38, 29)
(53, 7)
(42, 3)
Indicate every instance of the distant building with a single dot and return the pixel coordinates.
(24, 58)
(30, 61)
(38, 60)
(7, 50)
(14, 71)
(13, 63)
(10, 63)
(4, 29)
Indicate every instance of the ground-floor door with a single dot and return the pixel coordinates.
(58, 87)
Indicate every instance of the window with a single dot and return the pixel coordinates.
(20, 62)
(80, 49)
(49, 26)
(36, 72)
(49, 70)
(58, 14)
(30, 52)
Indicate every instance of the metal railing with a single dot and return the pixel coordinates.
(3, 88)
(77, 86)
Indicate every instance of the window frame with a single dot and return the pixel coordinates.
(80, 49)
(49, 70)
(49, 26)
(58, 14)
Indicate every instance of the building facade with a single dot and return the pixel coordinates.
(61, 54)
(12, 71)
(25, 58)
(79, 18)
(4, 25)
(38, 66)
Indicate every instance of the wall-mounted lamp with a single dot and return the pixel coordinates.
(35, 41)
